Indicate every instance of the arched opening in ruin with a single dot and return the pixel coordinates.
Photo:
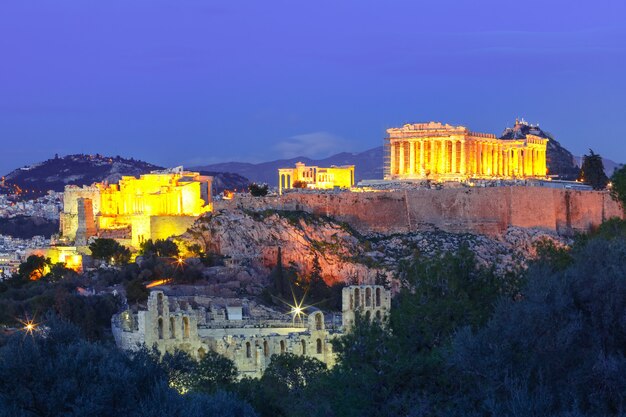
(368, 297)
(319, 345)
(303, 343)
(160, 331)
(377, 297)
(378, 315)
(318, 321)
(160, 303)
(266, 349)
(186, 327)
(248, 350)
(282, 346)
(351, 302)
(172, 328)
(368, 315)
(357, 298)
(201, 353)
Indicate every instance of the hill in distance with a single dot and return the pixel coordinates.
(80, 169)
(369, 164)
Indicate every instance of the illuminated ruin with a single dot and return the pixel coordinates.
(314, 177)
(242, 331)
(154, 206)
(451, 153)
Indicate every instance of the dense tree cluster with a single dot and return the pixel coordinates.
(592, 171)
(460, 341)
(258, 190)
(110, 251)
(55, 372)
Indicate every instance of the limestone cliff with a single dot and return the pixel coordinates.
(251, 241)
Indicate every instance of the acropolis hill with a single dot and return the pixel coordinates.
(487, 211)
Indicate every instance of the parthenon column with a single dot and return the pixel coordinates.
(440, 162)
(401, 159)
(475, 157)
(392, 159)
(463, 158)
(497, 155)
(411, 158)
(454, 156)
(506, 162)
(422, 157)
(483, 158)
(433, 156)
(479, 157)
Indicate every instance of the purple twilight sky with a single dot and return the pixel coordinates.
(194, 82)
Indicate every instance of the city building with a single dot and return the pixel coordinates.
(154, 206)
(244, 332)
(314, 177)
(454, 153)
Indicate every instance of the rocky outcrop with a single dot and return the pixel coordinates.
(251, 240)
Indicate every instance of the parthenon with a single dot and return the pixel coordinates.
(444, 152)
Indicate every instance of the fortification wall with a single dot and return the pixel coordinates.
(476, 210)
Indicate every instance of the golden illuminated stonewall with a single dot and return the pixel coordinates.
(153, 206)
(451, 153)
(315, 177)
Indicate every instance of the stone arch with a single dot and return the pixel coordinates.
(282, 346)
(160, 329)
(172, 328)
(303, 343)
(378, 316)
(368, 315)
(186, 327)
(160, 302)
(319, 322)
(266, 349)
(319, 345)
(248, 350)
(377, 297)
(368, 297)
(357, 298)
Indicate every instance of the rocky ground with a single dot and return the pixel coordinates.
(250, 241)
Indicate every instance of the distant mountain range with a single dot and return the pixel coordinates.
(79, 169)
(369, 164)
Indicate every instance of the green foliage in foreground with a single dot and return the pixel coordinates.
(55, 372)
(460, 341)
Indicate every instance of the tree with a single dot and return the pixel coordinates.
(213, 372)
(59, 272)
(299, 184)
(618, 185)
(560, 347)
(55, 372)
(294, 372)
(136, 291)
(34, 268)
(257, 190)
(592, 171)
(109, 250)
(164, 248)
(318, 291)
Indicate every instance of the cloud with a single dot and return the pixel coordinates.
(312, 145)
